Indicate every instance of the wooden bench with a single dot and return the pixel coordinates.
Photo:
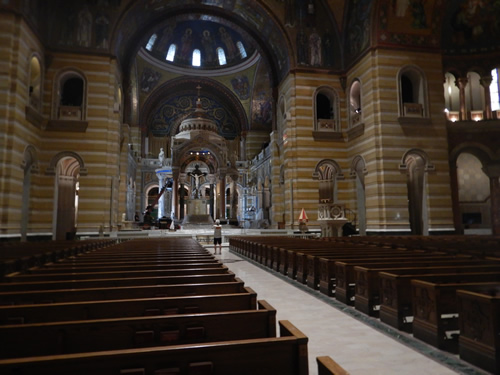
(119, 282)
(367, 298)
(113, 266)
(479, 324)
(327, 366)
(327, 267)
(289, 257)
(435, 307)
(19, 256)
(345, 275)
(134, 332)
(76, 295)
(42, 277)
(66, 311)
(284, 355)
(396, 306)
(321, 270)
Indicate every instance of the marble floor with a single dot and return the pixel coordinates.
(360, 344)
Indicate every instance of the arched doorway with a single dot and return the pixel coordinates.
(415, 162)
(474, 196)
(66, 198)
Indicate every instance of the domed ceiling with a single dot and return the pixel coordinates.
(202, 43)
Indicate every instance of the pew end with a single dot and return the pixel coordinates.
(327, 366)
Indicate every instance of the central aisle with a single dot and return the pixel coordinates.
(358, 345)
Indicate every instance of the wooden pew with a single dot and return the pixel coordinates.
(367, 298)
(345, 275)
(19, 256)
(134, 332)
(42, 277)
(435, 307)
(479, 324)
(322, 276)
(291, 263)
(327, 366)
(85, 310)
(113, 266)
(77, 295)
(284, 355)
(396, 306)
(120, 282)
(327, 266)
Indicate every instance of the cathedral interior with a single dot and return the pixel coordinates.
(382, 115)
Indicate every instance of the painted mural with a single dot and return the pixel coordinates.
(213, 41)
(472, 26)
(313, 48)
(358, 26)
(413, 23)
(261, 106)
(175, 109)
(247, 10)
(83, 25)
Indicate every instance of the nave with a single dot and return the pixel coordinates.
(360, 344)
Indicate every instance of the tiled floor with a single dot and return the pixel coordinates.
(360, 344)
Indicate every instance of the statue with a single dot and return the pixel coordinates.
(161, 156)
(196, 174)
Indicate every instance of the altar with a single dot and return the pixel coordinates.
(197, 213)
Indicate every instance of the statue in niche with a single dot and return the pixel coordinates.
(196, 174)
(161, 157)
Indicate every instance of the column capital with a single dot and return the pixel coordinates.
(461, 82)
(486, 81)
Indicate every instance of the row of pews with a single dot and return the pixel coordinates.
(144, 307)
(445, 290)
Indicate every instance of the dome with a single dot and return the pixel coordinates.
(199, 44)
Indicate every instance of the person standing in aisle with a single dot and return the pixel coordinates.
(218, 236)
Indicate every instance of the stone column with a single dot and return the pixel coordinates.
(234, 199)
(222, 195)
(493, 172)
(486, 82)
(461, 84)
(211, 180)
(457, 220)
(161, 201)
(175, 193)
(182, 180)
(165, 201)
(243, 146)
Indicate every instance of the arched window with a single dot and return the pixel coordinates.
(326, 111)
(355, 103)
(72, 98)
(196, 58)
(35, 84)
(171, 52)
(451, 97)
(327, 172)
(474, 97)
(412, 92)
(151, 42)
(494, 92)
(221, 56)
(241, 48)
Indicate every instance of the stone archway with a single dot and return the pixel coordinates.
(416, 164)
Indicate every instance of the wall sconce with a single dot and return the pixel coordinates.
(476, 115)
